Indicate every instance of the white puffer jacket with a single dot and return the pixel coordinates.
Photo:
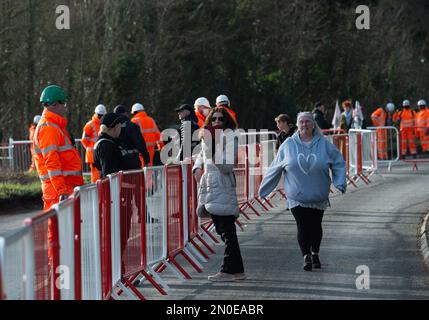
(216, 190)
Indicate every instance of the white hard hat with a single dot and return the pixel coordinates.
(406, 103)
(202, 102)
(100, 109)
(137, 107)
(390, 107)
(222, 98)
(422, 103)
(36, 119)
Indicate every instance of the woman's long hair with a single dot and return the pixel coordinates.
(228, 122)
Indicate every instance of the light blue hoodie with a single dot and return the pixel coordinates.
(306, 171)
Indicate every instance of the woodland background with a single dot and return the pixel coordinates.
(268, 56)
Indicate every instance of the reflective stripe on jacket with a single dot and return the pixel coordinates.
(89, 137)
(148, 129)
(57, 161)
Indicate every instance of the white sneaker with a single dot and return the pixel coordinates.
(222, 277)
(240, 276)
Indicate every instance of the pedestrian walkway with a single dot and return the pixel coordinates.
(374, 227)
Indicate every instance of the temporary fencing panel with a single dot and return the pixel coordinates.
(175, 241)
(17, 265)
(90, 246)
(391, 139)
(66, 224)
(44, 233)
(133, 231)
(116, 200)
(156, 229)
(105, 237)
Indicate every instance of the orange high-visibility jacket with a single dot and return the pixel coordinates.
(406, 117)
(201, 118)
(232, 114)
(89, 137)
(148, 129)
(422, 120)
(378, 117)
(31, 131)
(57, 161)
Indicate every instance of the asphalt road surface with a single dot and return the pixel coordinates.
(369, 249)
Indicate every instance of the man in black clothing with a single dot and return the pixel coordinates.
(319, 116)
(286, 129)
(108, 154)
(131, 140)
(189, 124)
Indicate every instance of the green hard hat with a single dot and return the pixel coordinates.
(52, 94)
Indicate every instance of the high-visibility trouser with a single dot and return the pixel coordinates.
(424, 139)
(151, 150)
(408, 141)
(95, 173)
(51, 197)
(382, 143)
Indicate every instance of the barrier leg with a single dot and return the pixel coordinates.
(238, 223)
(253, 209)
(158, 279)
(261, 204)
(179, 267)
(192, 261)
(208, 233)
(134, 289)
(174, 270)
(244, 214)
(268, 202)
(126, 291)
(198, 251)
(205, 244)
(155, 284)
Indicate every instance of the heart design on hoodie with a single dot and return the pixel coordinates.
(306, 163)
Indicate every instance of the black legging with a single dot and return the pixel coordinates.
(225, 227)
(309, 225)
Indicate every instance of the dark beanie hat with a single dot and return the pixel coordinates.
(120, 109)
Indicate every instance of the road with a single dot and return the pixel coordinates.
(374, 227)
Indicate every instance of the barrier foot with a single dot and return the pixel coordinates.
(244, 214)
(156, 285)
(134, 289)
(352, 182)
(282, 194)
(125, 290)
(174, 270)
(253, 209)
(268, 202)
(205, 244)
(238, 223)
(179, 267)
(198, 251)
(261, 204)
(159, 279)
(192, 261)
(210, 235)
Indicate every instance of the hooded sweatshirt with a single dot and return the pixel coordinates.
(306, 168)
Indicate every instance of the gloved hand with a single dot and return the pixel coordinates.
(63, 197)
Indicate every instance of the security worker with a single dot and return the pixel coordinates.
(149, 131)
(406, 119)
(202, 108)
(58, 163)
(422, 123)
(132, 141)
(31, 131)
(89, 138)
(223, 102)
(379, 118)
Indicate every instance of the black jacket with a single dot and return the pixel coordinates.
(185, 135)
(321, 121)
(133, 142)
(108, 155)
(282, 136)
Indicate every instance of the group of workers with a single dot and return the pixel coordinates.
(58, 162)
(412, 124)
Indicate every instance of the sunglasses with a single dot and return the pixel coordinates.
(217, 118)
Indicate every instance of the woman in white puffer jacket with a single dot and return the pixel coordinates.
(217, 197)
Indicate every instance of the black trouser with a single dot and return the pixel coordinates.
(309, 225)
(225, 227)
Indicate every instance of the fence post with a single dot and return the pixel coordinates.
(10, 154)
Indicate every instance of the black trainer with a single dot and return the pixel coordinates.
(316, 261)
(307, 263)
